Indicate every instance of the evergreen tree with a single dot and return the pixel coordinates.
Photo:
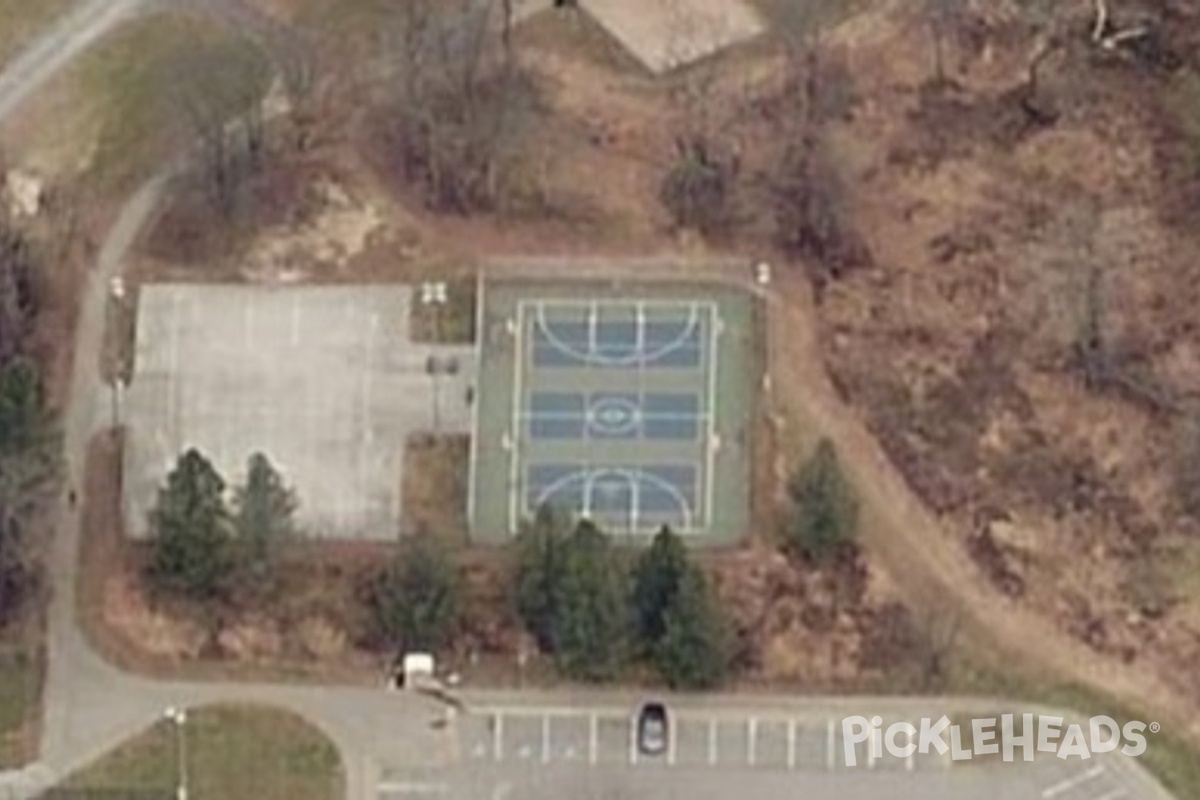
(694, 651)
(540, 547)
(416, 602)
(17, 575)
(656, 581)
(826, 510)
(28, 439)
(590, 620)
(192, 553)
(265, 510)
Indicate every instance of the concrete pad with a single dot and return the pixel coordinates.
(667, 34)
(324, 380)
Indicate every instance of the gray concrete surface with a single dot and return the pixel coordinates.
(324, 380)
(723, 749)
(667, 34)
(655, 781)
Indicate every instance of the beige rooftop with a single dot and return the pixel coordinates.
(666, 34)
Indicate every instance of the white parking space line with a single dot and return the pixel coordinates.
(412, 787)
(1071, 783)
(672, 733)
(761, 742)
(712, 741)
(593, 738)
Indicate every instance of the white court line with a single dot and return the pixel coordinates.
(633, 751)
(418, 787)
(639, 339)
(497, 736)
(593, 313)
(515, 498)
(1071, 783)
(791, 743)
(652, 303)
(173, 365)
(295, 321)
(572, 415)
(593, 738)
(712, 741)
(671, 737)
(829, 745)
(482, 334)
(366, 387)
(710, 444)
(751, 739)
(545, 738)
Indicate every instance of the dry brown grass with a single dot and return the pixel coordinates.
(434, 491)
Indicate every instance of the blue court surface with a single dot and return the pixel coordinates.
(613, 417)
(607, 408)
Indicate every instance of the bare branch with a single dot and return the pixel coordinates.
(1101, 20)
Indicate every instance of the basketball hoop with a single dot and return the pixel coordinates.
(762, 273)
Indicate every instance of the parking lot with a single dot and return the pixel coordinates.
(695, 739)
(542, 753)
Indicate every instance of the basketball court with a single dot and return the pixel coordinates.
(629, 408)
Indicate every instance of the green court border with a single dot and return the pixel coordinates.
(735, 374)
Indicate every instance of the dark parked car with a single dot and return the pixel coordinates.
(653, 728)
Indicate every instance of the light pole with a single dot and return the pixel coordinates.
(178, 717)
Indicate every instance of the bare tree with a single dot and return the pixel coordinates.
(461, 107)
(942, 18)
(1187, 461)
(1103, 355)
(806, 192)
(698, 187)
(917, 647)
(18, 303)
(218, 89)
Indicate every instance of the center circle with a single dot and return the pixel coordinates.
(613, 416)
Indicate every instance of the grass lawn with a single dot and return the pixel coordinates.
(22, 20)
(233, 753)
(150, 80)
(20, 682)
(1169, 756)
